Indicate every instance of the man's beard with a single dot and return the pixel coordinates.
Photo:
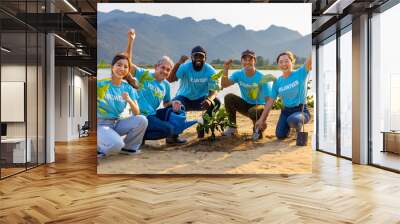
(197, 67)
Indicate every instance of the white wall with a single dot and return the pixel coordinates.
(61, 104)
(71, 94)
(14, 73)
(79, 115)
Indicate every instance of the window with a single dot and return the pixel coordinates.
(385, 88)
(346, 74)
(327, 95)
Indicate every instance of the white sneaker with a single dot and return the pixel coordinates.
(230, 132)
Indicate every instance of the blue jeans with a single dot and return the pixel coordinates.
(195, 105)
(157, 127)
(291, 117)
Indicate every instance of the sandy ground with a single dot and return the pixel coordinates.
(225, 155)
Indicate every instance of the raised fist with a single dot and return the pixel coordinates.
(131, 34)
(227, 64)
(183, 59)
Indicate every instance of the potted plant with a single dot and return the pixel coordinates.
(217, 122)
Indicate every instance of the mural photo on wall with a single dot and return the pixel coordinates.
(193, 88)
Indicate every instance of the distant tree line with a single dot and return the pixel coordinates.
(260, 61)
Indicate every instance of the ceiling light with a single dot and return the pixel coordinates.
(86, 72)
(5, 50)
(71, 6)
(65, 41)
(338, 6)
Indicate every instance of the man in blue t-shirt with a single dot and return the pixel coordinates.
(153, 90)
(197, 90)
(255, 90)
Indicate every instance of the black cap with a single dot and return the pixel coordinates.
(198, 49)
(248, 53)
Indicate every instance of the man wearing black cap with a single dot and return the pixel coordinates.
(197, 91)
(254, 90)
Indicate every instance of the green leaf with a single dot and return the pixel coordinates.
(217, 75)
(253, 93)
(145, 77)
(101, 110)
(101, 91)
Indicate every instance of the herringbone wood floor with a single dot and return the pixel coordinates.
(69, 191)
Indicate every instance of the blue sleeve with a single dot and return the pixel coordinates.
(167, 96)
(102, 82)
(139, 72)
(212, 84)
(132, 93)
(302, 72)
(181, 71)
(266, 90)
(99, 83)
(235, 76)
(274, 91)
(211, 71)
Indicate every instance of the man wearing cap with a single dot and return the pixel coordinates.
(255, 90)
(197, 91)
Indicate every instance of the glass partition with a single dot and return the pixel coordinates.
(13, 103)
(22, 78)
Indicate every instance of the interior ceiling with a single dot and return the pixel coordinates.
(79, 27)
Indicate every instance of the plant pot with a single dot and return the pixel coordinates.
(302, 138)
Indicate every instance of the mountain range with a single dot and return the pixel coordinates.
(168, 35)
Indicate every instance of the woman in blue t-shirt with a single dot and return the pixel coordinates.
(113, 95)
(291, 87)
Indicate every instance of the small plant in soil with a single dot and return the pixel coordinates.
(217, 122)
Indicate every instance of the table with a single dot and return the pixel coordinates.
(391, 141)
(13, 150)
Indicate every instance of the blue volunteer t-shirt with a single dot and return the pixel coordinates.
(291, 89)
(151, 91)
(251, 88)
(110, 103)
(195, 84)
